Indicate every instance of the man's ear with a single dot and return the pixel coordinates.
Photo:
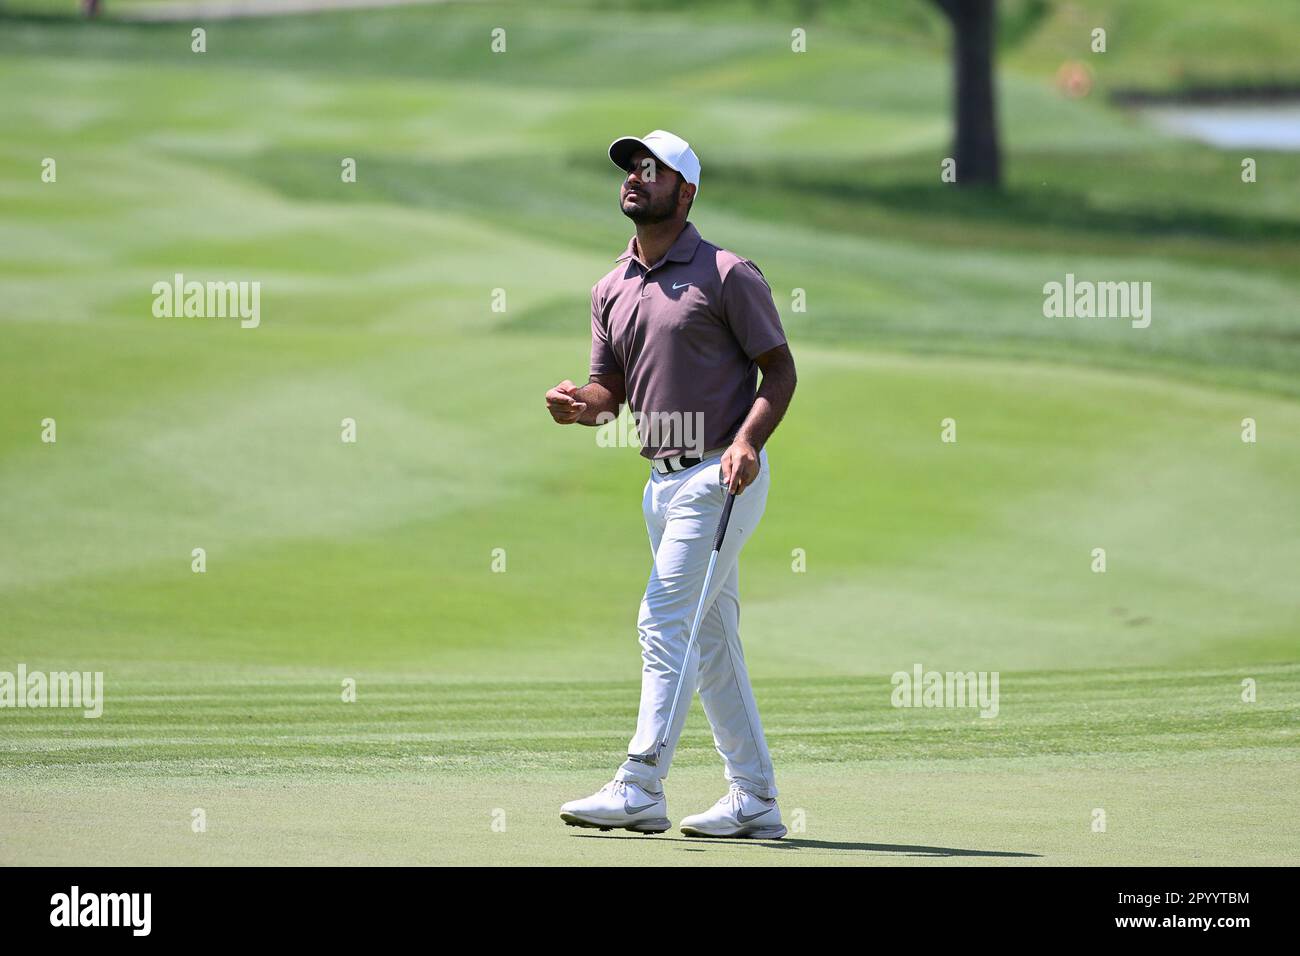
(687, 192)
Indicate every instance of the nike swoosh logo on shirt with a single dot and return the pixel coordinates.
(677, 286)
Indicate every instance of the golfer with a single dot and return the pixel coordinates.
(680, 329)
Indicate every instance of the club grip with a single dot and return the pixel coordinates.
(722, 522)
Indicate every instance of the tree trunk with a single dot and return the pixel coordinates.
(974, 25)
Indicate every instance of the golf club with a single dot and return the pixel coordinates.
(652, 758)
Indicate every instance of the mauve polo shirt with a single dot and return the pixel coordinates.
(684, 334)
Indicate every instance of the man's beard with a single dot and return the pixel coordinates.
(653, 212)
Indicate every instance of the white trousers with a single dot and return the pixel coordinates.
(681, 514)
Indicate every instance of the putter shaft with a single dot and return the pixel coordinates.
(695, 624)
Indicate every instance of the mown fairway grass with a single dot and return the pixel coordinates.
(482, 692)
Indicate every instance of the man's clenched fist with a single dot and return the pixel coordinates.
(563, 404)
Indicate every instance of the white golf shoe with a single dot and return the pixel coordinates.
(738, 814)
(619, 805)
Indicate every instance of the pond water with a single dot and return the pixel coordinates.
(1271, 126)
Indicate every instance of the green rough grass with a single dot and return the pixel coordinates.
(1169, 46)
(482, 692)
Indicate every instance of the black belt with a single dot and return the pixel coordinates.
(676, 463)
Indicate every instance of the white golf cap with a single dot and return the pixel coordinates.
(673, 151)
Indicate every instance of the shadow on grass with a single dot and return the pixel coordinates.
(1017, 206)
(852, 199)
(794, 844)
